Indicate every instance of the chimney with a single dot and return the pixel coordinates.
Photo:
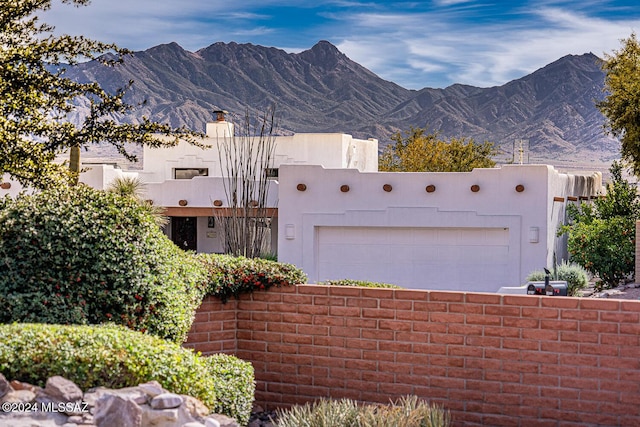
(221, 128)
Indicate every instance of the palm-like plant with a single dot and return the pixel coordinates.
(134, 187)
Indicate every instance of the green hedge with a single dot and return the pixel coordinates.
(360, 283)
(82, 256)
(116, 357)
(231, 276)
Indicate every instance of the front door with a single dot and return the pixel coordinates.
(184, 232)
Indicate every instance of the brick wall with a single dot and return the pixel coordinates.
(499, 360)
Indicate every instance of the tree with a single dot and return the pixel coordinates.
(621, 105)
(245, 160)
(602, 233)
(421, 152)
(36, 97)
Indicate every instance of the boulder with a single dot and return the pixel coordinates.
(114, 410)
(60, 388)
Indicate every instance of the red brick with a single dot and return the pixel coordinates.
(297, 339)
(313, 309)
(429, 306)
(281, 327)
(540, 334)
(375, 334)
(560, 302)
(363, 302)
(313, 330)
(559, 347)
(447, 317)
(361, 323)
(488, 342)
(599, 304)
(540, 313)
(345, 291)
(328, 321)
(520, 322)
(521, 344)
(394, 325)
(345, 353)
(362, 344)
(398, 347)
(579, 314)
(297, 299)
(344, 311)
(521, 300)
(473, 319)
(377, 313)
(581, 337)
(466, 308)
(312, 289)
(560, 325)
(380, 293)
(396, 304)
(467, 351)
(419, 337)
(329, 301)
(410, 294)
(429, 348)
(446, 296)
(340, 331)
(501, 310)
(462, 329)
(297, 318)
(619, 317)
(447, 339)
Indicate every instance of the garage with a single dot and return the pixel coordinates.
(458, 258)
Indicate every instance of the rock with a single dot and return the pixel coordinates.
(5, 387)
(133, 393)
(62, 389)
(18, 385)
(221, 420)
(152, 388)
(19, 396)
(194, 424)
(114, 410)
(166, 401)
(195, 406)
(159, 418)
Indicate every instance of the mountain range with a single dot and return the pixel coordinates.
(321, 90)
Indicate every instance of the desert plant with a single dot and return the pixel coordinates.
(360, 283)
(231, 276)
(575, 275)
(116, 357)
(84, 256)
(406, 412)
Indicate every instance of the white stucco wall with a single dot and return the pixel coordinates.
(331, 150)
(451, 238)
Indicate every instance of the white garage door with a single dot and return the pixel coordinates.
(469, 259)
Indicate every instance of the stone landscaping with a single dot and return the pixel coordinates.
(63, 403)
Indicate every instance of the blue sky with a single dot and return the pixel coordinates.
(415, 44)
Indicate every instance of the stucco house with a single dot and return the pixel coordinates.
(334, 215)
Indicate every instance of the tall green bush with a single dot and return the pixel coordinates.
(602, 233)
(115, 357)
(83, 256)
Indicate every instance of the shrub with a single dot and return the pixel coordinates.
(116, 357)
(361, 283)
(84, 256)
(406, 412)
(234, 386)
(605, 247)
(231, 276)
(575, 275)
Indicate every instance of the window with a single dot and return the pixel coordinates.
(188, 173)
(271, 172)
